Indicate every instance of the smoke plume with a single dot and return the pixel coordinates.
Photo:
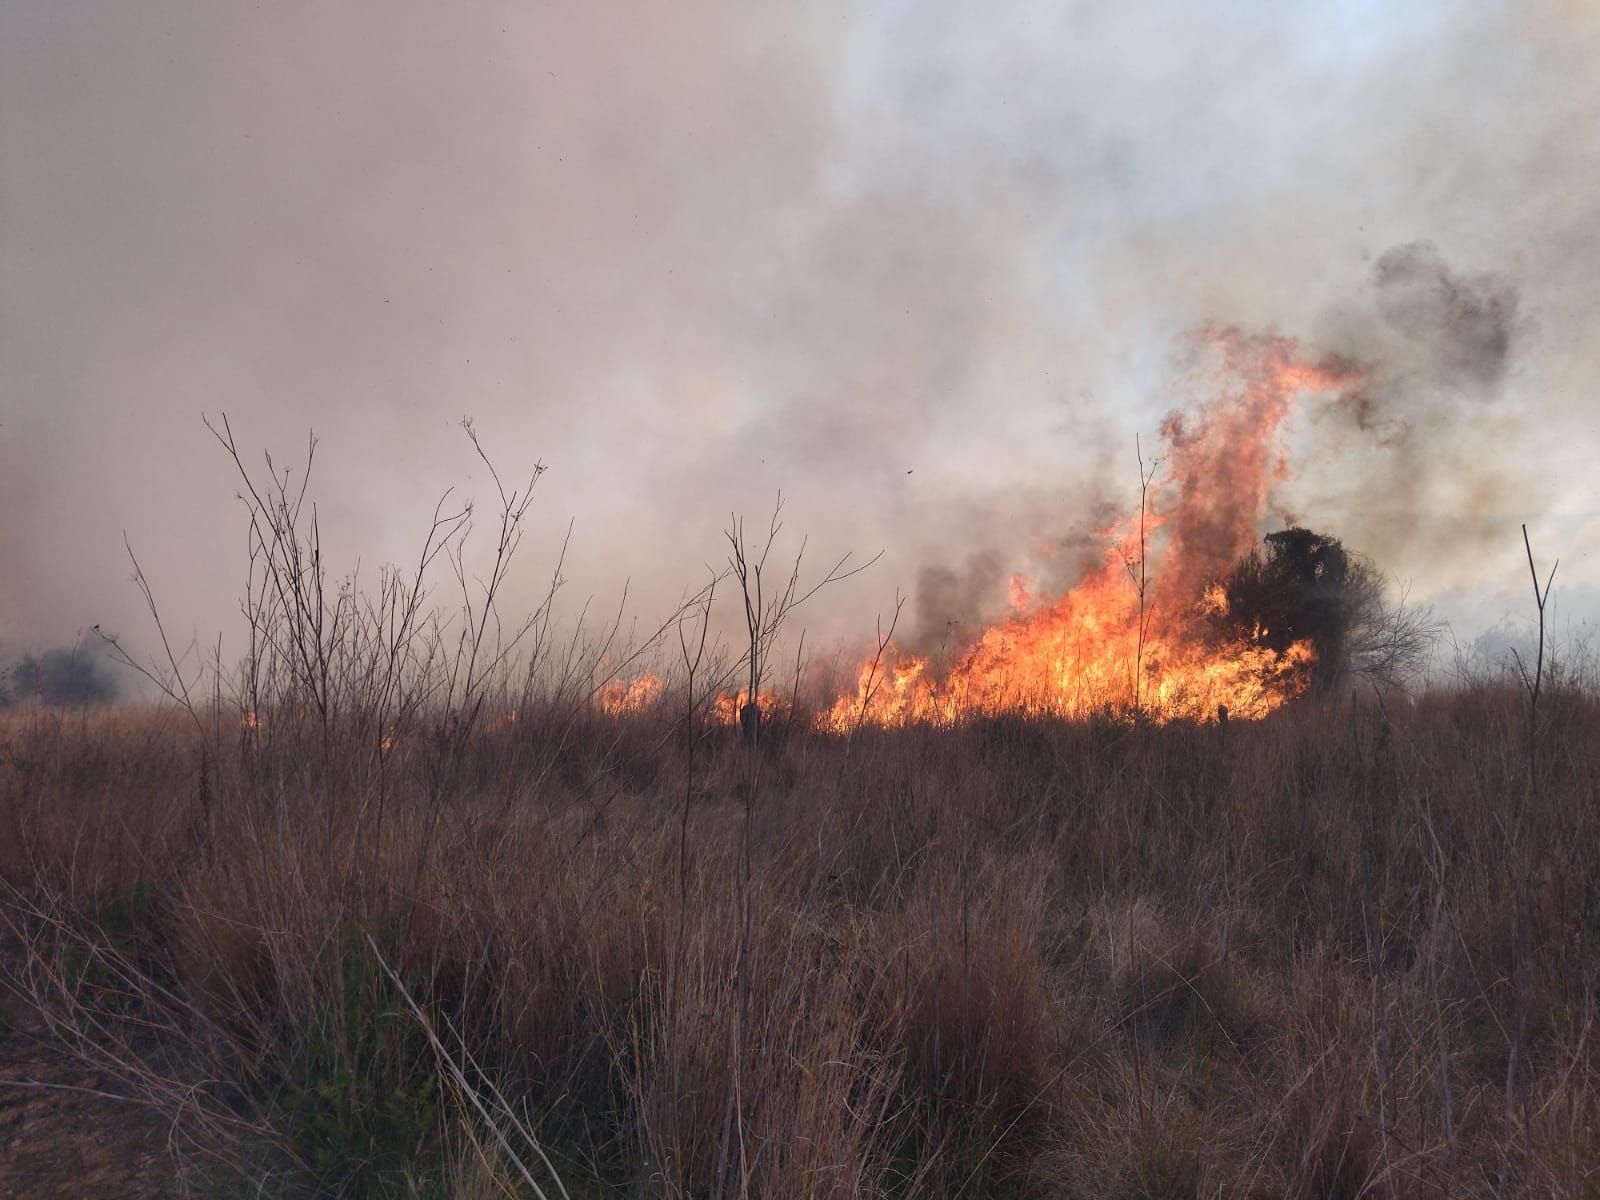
(1463, 327)
(80, 674)
(926, 269)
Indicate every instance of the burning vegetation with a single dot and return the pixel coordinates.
(1148, 631)
(1187, 614)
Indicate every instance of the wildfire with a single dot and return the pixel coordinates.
(726, 706)
(1142, 633)
(645, 692)
(1139, 632)
(635, 696)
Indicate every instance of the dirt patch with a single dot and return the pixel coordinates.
(58, 1138)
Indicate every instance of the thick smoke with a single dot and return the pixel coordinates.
(1425, 337)
(1420, 348)
(1462, 327)
(920, 267)
(1050, 546)
(80, 674)
(952, 603)
(1431, 479)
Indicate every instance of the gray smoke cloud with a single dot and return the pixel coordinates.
(922, 268)
(83, 673)
(1444, 471)
(1465, 326)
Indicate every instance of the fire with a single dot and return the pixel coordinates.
(1098, 648)
(636, 696)
(1141, 634)
(1019, 594)
(644, 693)
(726, 706)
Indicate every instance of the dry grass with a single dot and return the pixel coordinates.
(1340, 953)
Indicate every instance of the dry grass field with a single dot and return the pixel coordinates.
(423, 902)
(1352, 950)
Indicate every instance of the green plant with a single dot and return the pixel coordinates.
(363, 1107)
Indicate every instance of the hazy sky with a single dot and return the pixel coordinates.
(690, 254)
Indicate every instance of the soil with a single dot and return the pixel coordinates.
(61, 1140)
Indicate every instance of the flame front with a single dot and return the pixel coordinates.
(1101, 647)
(617, 698)
(1144, 632)
(726, 707)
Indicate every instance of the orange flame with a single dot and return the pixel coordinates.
(1101, 647)
(635, 696)
(1096, 648)
(645, 692)
(1019, 594)
(726, 706)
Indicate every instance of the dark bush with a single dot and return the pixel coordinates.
(1305, 586)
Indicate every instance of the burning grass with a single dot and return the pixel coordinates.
(1341, 952)
(1180, 617)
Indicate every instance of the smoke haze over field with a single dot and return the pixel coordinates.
(926, 268)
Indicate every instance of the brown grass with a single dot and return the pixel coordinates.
(1340, 953)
